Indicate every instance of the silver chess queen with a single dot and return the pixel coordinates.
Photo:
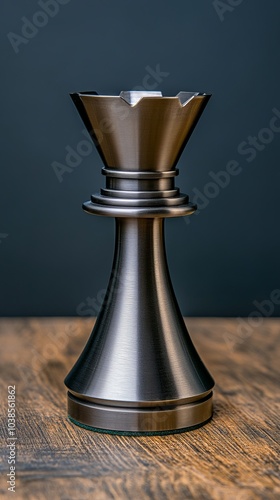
(139, 371)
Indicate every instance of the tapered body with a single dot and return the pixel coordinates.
(139, 371)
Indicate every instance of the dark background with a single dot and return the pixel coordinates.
(53, 256)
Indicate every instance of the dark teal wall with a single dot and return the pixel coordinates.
(55, 260)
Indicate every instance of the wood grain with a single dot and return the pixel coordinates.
(235, 456)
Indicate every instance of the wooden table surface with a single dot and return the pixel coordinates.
(235, 456)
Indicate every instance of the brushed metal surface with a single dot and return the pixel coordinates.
(139, 369)
(139, 350)
(143, 211)
(124, 200)
(144, 420)
(137, 196)
(140, 184)
(144, 174)
(149, 135)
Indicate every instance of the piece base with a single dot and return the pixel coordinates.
(139, 212)
(145, 421)
(137, 433)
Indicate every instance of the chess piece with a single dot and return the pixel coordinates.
(139, 371)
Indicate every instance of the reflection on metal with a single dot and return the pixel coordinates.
(139, 371)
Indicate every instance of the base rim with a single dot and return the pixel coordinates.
(137, 433)
(140, 420)
(139, 212)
